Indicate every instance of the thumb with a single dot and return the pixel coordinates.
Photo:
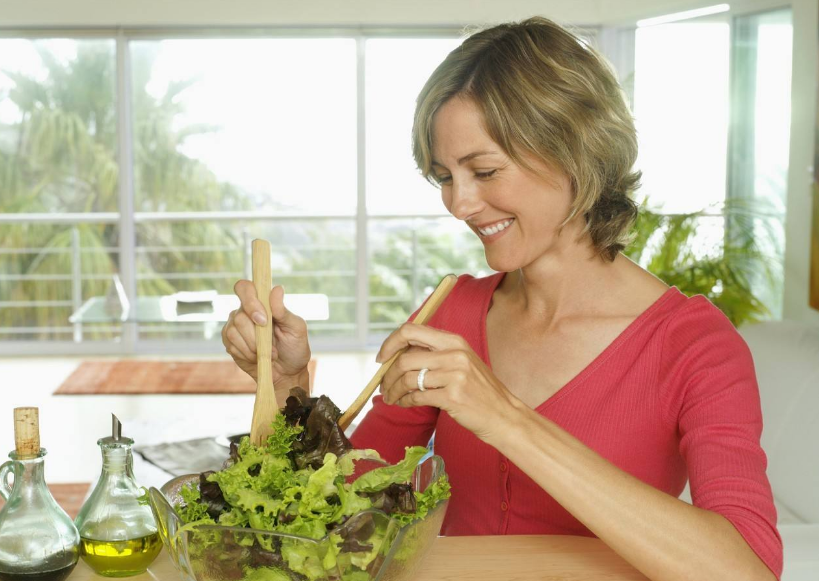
(280, 314)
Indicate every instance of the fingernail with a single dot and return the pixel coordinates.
(260, 319)
(378, 358)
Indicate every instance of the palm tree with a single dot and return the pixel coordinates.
(60, 156)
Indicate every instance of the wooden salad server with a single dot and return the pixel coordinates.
(426, 312)
(265, 407)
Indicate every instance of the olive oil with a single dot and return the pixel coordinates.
(118, 533)
(120, 558)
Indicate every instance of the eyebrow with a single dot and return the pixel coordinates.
(468, 157)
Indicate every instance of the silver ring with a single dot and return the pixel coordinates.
(421, 375)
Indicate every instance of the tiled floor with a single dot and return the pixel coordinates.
(71, 425)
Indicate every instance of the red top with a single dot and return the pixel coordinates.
(674, 397)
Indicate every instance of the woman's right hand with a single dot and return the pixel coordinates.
(291, 350)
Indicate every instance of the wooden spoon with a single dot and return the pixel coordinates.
(426, 312)
(265, 407)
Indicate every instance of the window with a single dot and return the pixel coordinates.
(712, 108)
(408, 256)
(681, 112)
(760, 143)
(261, 126)
(137, 165)
(228, 139)
(58, 186)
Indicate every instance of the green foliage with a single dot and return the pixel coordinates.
(398, 247)
(726, 272)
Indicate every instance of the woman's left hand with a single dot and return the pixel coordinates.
(457, 380)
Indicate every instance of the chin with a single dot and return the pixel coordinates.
(503, 263)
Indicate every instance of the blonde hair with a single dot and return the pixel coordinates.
(544, 93)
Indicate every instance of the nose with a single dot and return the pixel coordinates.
(462, 200)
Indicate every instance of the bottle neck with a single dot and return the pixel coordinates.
(117, 460)
(29, 474)
(33, 472)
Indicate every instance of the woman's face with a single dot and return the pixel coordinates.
(515, 212)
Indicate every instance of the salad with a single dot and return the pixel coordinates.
(306, 481)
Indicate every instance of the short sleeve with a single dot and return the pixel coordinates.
(709, 390)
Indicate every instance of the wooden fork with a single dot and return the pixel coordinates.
(426, 312)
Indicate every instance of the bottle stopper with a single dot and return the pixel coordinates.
(27, 432)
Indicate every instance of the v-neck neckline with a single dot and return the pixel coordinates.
(601, 358)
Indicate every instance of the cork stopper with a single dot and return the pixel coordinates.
(27, 432)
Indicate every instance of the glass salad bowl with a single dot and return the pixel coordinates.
(370, 545)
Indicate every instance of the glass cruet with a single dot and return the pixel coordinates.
(38, 541)
(118, 533)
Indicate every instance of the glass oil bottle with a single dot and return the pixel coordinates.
(118, 533)
(38, 541)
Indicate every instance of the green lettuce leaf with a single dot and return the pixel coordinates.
(280, 442)
(346, 464)
(426, 501)
(192, 510)
(381, 478)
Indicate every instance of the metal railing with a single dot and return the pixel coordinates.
(73, 275)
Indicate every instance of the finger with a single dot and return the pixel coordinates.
(234, 352)
(420, 336)
(247, 329)
(228, 323)
(432, 397)
(416, 359)
(408, 382)
(432, 380)
(400, 367)
(236, 340)
(283, 317)
(251, 305)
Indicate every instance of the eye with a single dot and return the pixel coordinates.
(443, 180)
(486, 174)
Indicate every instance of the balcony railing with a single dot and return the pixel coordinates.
(337, 333)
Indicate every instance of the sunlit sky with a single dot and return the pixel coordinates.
(287, 112)
(681, 113)
(681, 105)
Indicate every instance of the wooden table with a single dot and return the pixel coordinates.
(522, 558)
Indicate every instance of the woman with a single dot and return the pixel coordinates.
(607, 389)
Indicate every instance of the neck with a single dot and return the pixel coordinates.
(571, 279)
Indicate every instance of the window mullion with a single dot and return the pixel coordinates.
(127, 227)
(362, 253)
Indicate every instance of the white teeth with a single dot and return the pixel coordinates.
(494, 229)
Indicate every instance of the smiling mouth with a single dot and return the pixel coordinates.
(495, 228)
